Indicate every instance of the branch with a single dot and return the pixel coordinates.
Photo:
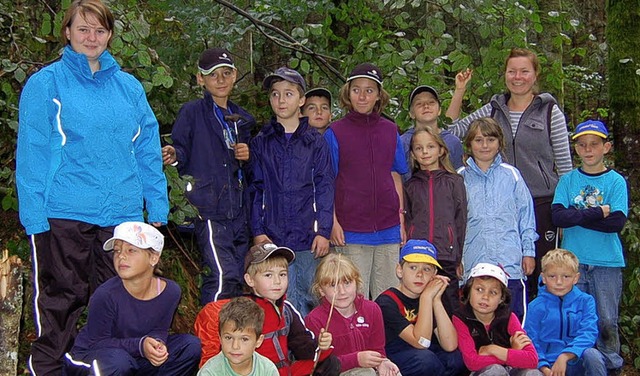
(288, 42)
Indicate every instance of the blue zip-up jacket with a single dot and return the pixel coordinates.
(557, 325)
(501, 226)
(219, 185)
(293, 184)
(88, 147)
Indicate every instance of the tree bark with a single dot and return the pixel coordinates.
(623, 38)
(10, 312)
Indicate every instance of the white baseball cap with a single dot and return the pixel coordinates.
(139, 234)
(484, 269)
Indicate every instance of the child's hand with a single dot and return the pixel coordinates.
(388, 368)
(261, 239)
(546, 371)
(370, 359)
(320, 246)
(606, 210)
(463, 78)
(528, 264)
(559, 368)
(337, 234)
(459, 271)
(155, 351)
(168, 155)
(432, 291)
(324, 340)
(519, 340)
(241, 151)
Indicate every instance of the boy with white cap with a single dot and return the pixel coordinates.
(127, 330)
(210, 138)
(420, 338)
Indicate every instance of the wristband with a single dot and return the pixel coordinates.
(424, 342)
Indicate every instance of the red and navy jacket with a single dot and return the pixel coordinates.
(436, 210)
(292, 185)
(219, 190)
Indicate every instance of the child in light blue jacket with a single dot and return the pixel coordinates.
(500, 222)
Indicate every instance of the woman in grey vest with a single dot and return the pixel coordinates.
(536, 138)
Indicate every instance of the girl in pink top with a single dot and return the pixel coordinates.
(490, 336)
(356, 323)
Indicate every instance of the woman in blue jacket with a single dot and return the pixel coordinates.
(88, 159)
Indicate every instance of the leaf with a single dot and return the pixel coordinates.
(19, 75)
(144, 58)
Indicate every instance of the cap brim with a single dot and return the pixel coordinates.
(595, 133)
(422, 89)
(364, 76)
(419, 257)
(206, 72)
(319, 92)
(108, 245)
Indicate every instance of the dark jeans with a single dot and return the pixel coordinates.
(419, 362)
(184, 356)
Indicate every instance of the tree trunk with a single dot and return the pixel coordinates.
(10, 312)
(623, 38)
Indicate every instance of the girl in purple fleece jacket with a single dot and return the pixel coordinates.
(356, 323)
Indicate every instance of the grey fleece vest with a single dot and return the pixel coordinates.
(530, 150)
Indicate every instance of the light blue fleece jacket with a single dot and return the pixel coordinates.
(501, 225)
(88, 147)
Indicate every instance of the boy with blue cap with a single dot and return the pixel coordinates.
(420, 337)
(591, 205)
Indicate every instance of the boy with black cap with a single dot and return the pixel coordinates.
(424, 109)
(293, 184)
(420, 337)
(210, 139)
(591, 205)
(317, 107)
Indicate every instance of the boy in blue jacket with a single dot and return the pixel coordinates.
(210, 139)
(293, 184)
(562, 321)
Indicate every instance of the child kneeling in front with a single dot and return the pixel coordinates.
(420, 338)
(562, 321)
(240, 329)
(490, 336)
(127, 331)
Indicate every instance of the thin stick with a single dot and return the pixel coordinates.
(333, 302)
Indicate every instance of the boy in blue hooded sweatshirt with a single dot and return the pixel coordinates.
(562, 321)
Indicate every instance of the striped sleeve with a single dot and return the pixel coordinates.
(459, 127)
(560, 141)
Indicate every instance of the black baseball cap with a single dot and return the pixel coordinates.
(422, 89)
(213, 59)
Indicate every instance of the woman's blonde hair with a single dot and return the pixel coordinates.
(381, 103)
(488, 127)
(444, 160)
(95, 8)
(326, 271)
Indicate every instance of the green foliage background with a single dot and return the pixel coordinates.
(412, 41)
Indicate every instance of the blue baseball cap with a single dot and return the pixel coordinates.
(419, 251)
(286, 74)
(594, 127)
